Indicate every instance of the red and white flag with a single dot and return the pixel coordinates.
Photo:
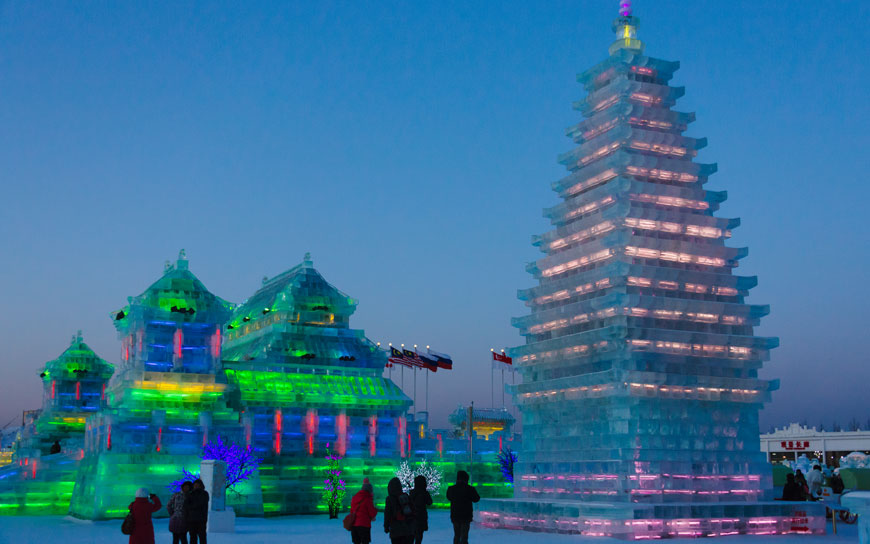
(502, 358)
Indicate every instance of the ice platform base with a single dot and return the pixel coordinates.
(633, 521)
(222, 522)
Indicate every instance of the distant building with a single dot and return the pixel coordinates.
(795, 440)
(6, 441)
(486, 422)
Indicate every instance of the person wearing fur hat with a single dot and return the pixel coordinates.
(362, 506)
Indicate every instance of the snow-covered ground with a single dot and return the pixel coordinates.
(320, 530)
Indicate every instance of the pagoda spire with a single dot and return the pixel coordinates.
(625, 26)
(181, 262)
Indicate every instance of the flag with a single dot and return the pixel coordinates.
(396, 357)
(502, 358)
(444, 361)
(411, 358)
(428, 363)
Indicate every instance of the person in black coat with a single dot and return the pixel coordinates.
(801, 480)
(398, 514)
(792, 491)
(462, 498)
(421, 499)
(196, 513)
(836, 483)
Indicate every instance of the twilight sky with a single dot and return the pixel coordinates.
(410, 147)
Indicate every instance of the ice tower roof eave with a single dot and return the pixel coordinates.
(177, 288)
(80, 355)
(665, 67)
(285, 290)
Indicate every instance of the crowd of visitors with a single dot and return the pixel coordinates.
(406, 515)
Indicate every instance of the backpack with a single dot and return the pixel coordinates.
(406, 508)
(128, 525)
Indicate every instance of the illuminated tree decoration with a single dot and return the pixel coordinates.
(334, 488)
(506, 459)
(433, 476)
(241, 463)
(406, 476)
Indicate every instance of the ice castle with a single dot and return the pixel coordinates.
(166, 399)
(283, 374)
(305, 381)
(640, 391)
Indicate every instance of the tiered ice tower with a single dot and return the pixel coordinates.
(640, 391)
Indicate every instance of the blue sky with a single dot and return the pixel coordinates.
(409, 146)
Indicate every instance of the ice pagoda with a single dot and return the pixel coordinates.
(167, 399)
(306, 381)
(40, 478)
(640, 391)
(74, 387)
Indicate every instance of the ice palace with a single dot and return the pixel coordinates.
(282, 374)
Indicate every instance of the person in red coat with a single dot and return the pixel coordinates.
(363, 507)
(142, 508)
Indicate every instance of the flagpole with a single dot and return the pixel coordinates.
(502, 389)
(427, 392)
(492, 379)
(491, 384)
(415, 390)
(470, 428)
(514, 382)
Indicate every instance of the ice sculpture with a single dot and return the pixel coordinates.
(283, 374)
(306, 379)
(640, 391)
(856, 459)
(803, 463)
(50, 445)
(167, 398)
